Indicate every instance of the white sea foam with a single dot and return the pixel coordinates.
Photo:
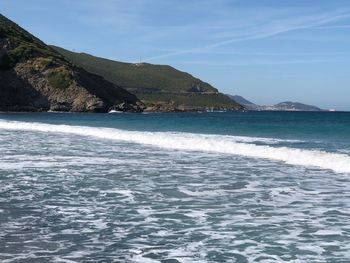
(199, 142)
(325, 232)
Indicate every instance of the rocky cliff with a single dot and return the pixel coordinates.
(34, 77)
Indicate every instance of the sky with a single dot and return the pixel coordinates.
(267, 51)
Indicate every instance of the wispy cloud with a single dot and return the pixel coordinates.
(260, 62)
(158, 30)
(264, 31)
(333, 27)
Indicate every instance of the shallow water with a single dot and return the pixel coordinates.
(178, 188)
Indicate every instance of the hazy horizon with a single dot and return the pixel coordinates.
(266, 51)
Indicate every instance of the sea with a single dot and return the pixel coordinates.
(175, 187)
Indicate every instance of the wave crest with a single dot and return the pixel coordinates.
(235, 145)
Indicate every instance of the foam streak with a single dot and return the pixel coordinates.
(198, 142)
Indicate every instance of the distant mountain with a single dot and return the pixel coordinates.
(240, 100)
(248, 105)
(292, 106)
(160, 87)
(35, 77)
(283, 106)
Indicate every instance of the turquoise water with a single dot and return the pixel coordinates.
(189, 187)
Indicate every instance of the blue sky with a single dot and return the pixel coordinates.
(265, 50)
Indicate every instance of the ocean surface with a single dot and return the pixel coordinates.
(189, 187)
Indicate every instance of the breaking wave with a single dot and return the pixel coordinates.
(235, 145)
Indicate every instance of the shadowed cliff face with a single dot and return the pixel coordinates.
(34, 77)
(18, 95)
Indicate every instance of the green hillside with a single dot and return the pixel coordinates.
(35, 77)
(18, 45)
(154, 84)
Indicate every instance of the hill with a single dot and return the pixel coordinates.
(240, 100)
(292, 106)
(248, 105)
(160, 87)
(34, 77)
(283, 106)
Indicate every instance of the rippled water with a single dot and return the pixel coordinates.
(73, 197)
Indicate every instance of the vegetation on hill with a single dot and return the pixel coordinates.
(154, 84)
(240, 100)
(35, 77)
(21, 45)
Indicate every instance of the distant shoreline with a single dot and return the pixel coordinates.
(157, 112)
